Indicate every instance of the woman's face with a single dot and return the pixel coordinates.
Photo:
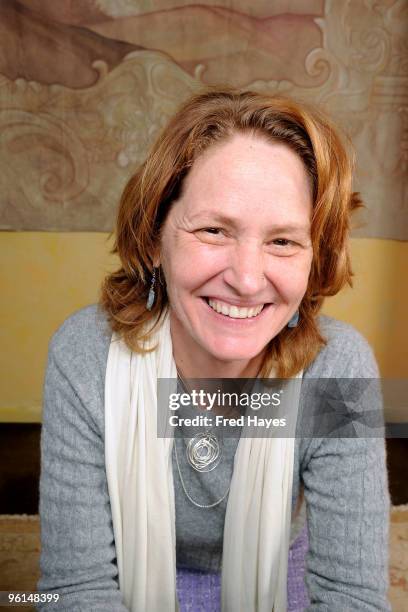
(237, 241)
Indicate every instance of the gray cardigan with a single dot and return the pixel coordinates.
(344, 482)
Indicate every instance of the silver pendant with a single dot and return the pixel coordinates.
(203, 452)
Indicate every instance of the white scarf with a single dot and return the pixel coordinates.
(141, 491)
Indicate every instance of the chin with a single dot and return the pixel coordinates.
(229, 353)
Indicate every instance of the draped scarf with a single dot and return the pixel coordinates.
(141, 490)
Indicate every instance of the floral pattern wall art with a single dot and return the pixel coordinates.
(86, 86)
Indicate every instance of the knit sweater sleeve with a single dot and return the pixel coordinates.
(346, 492)
(77, 545)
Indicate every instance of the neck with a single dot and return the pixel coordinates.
(217, 368)
(192, 363)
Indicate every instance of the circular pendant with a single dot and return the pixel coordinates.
(203, 452)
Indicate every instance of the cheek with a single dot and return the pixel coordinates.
(189, 264)
(183, 276)
(291, 276)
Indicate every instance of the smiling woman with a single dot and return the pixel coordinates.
(230, 236)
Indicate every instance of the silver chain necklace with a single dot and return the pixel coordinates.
(203, 453)
(186, 492)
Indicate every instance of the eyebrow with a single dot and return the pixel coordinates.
(216, 217)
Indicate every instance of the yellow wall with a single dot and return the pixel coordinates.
(46, 276)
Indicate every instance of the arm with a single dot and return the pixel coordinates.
(347, 507)
(347, 499)
(78, 550)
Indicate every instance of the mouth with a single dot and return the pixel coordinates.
(235, 314)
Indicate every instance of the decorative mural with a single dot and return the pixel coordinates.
(86, 86)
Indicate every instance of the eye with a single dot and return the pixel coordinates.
(283, 247)
(214, 231)
(212, 235)
(282, 242)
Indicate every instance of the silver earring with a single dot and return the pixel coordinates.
(150, 297)
(293, 322)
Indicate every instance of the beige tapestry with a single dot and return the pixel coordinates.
(86, 86)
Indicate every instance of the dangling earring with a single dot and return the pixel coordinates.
(150, 297)
(293, 322)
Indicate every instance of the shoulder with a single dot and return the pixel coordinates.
(347, 354)
(84, 329)
(75, 377)
(328, 424)
(90, 321)
(82, 342)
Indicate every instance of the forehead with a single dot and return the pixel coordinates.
(248, 172)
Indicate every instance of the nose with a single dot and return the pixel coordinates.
(245, 272)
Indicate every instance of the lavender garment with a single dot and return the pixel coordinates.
(298, 599)
(201, 591)
(344, 481)
(198, 590)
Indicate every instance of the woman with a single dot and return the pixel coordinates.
(230, 236)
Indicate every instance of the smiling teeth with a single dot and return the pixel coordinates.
(233, 311)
